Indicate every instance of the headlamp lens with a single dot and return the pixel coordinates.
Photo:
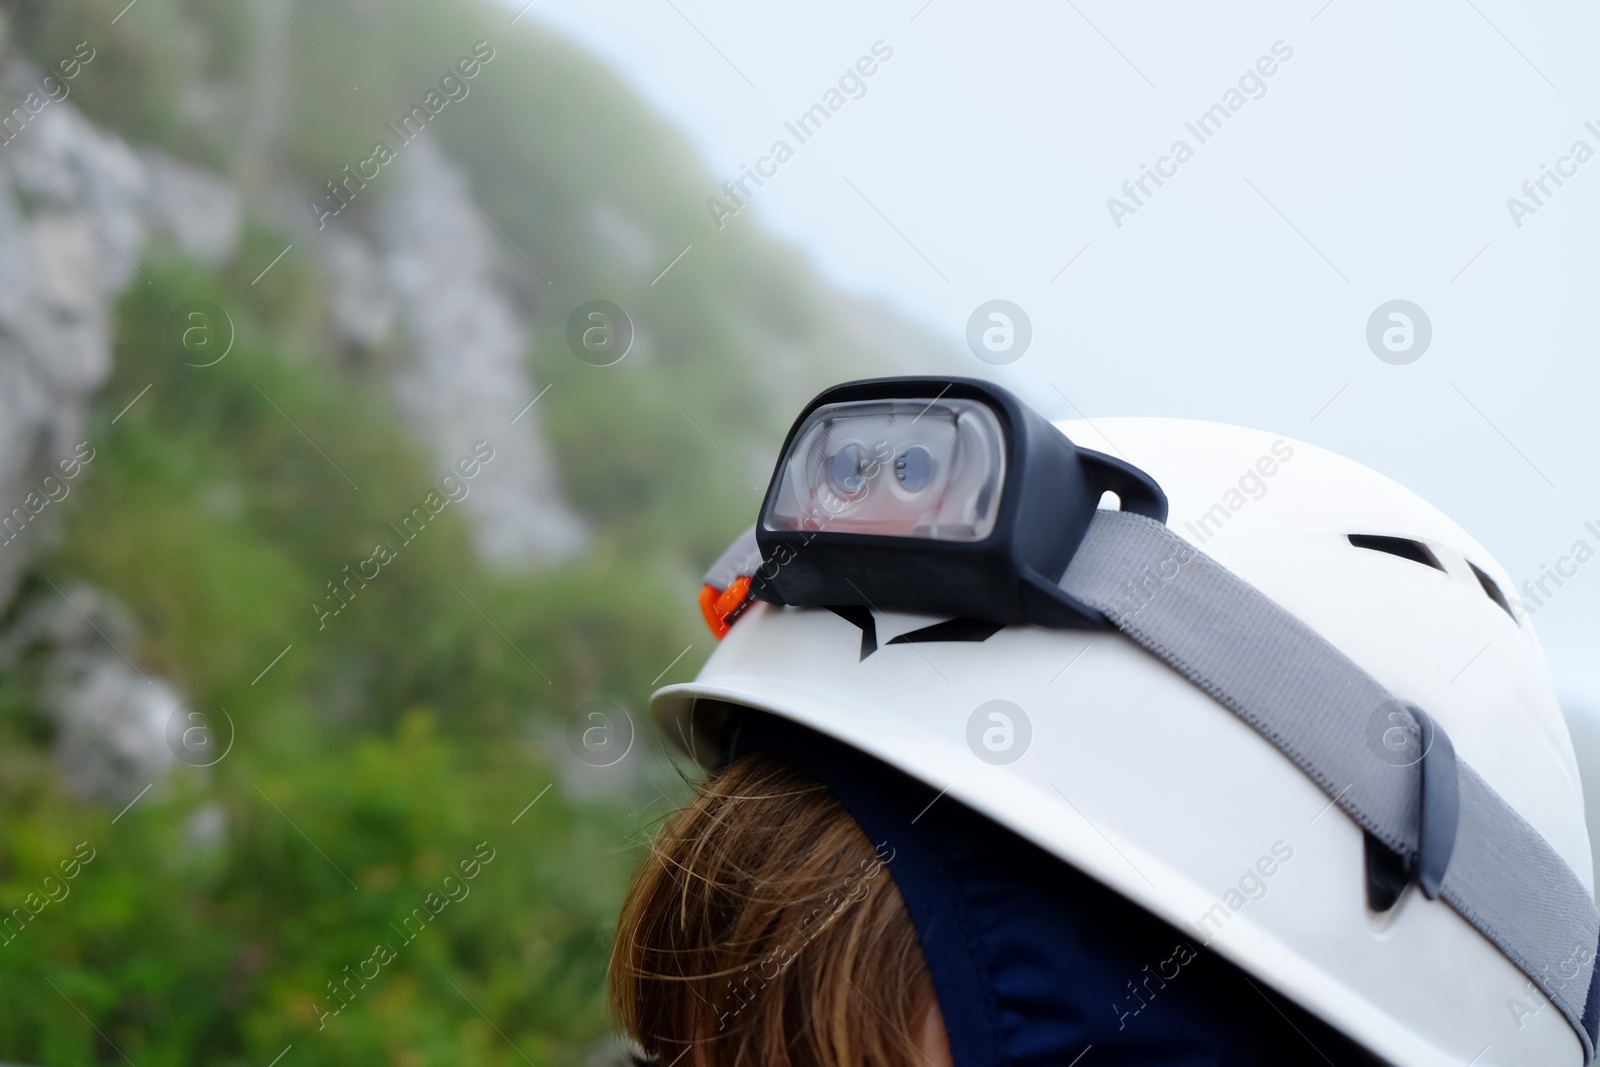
(849, 468)
(897, 468)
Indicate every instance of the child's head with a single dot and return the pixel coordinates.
(764, 929)
(767, 928)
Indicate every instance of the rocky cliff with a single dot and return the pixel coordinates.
(79, 210)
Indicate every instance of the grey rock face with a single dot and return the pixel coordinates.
(77, 209)
(467, 377)
(198, 210)
(111, 717)
(113, 726)
(363, 299)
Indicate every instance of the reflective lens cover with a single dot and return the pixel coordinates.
(894, 468)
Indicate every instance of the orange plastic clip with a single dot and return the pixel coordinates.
(721, 607)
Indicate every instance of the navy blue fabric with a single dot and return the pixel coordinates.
(1034, 962)
(1591, 1007)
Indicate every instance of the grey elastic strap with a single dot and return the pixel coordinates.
(1320, 708)
(743, 558)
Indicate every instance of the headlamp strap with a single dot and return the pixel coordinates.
(725, 591)
(1321, 709)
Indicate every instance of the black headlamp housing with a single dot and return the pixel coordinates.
(1049, 493)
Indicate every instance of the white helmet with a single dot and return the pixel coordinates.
(1197, 759)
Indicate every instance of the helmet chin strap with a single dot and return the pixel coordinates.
(1456, 835)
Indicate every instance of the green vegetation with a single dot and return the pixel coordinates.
(396, 737)
(402, 733)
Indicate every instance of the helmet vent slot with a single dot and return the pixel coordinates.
(1404, 547)
(1492, 587)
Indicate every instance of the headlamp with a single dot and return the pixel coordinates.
(937, 496)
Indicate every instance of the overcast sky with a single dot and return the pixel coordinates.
(1373, 164)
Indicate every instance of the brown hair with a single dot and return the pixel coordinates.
(763, 930)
